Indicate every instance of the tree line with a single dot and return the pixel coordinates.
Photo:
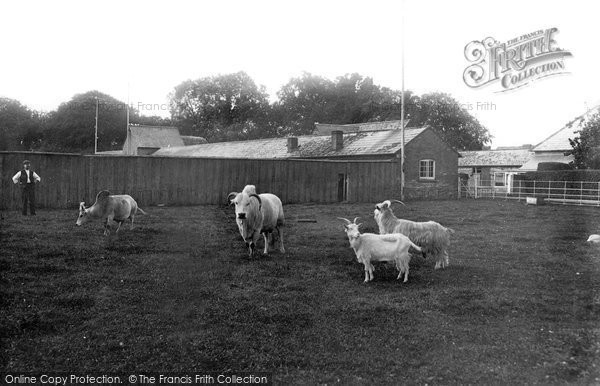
(233, 107)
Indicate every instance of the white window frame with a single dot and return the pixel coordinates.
(421, 177)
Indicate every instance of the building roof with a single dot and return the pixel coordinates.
(189, 140)
(559, 140)
(494, 158)
(151, 136)
(327, 128)
(369, 143)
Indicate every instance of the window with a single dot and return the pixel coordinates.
(427, 169)
(499, 179)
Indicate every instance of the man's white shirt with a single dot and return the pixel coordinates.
(17, 177)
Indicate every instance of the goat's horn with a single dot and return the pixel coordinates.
(346, 220)
(399, 202)
(356, 218)
(231, 194)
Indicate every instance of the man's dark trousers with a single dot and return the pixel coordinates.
(28, 196)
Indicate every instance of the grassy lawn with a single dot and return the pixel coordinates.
(519, 304)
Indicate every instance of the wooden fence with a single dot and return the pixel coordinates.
(68, 179)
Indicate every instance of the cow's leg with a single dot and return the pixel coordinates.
(280, 233)
(266, 250)
(107, 226)
(250, 247)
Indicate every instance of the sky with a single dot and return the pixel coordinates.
(138, 51)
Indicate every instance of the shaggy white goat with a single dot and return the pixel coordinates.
(432, 237)
(370, 247)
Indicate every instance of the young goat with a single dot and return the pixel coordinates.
(370, 247)
(432, 237)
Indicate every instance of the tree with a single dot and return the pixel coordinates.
(451, 121)
(19, 126)
(71, 127)
(304, 101)
(153, 120)
(586, 147)
(222, 107)
(355, 99)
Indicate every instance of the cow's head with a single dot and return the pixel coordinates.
(246, 205)
(83, 214)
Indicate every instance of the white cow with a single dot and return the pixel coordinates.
(256, 214)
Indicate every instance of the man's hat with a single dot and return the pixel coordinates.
(26, 162)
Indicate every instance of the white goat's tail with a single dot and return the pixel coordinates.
(415, 246)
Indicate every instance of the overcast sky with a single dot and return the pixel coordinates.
(141, 50)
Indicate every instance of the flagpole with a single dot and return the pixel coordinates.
(402, 158)
(127, 130)
(96, 129)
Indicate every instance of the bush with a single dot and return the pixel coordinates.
(561, 175)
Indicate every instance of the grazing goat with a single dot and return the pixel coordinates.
(370, 247)
(118, 208)
(256, 214)
(432, 237)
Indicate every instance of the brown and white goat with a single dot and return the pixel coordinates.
(370, 247)
(118, 208)
(432, 237)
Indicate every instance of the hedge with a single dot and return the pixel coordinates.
(586, 175)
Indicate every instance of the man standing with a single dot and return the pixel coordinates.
(27, 179)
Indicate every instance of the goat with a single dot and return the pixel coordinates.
(432, 237)
(594, 239)
(118, 208)
(256, 214)
(370, 247)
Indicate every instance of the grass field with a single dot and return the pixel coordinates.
(519, 304)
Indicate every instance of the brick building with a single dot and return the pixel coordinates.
(431, 165)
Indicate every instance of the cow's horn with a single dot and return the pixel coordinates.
(258, 198)
(231, 194)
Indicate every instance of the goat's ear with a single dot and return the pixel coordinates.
(82, 205)
(358, 225)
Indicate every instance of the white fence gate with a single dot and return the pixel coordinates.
(558, 192)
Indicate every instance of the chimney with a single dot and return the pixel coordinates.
(292, 144)
(337, 139)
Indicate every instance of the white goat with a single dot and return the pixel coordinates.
(594, 239)
(432, 237)
(370, 247)
(118, 208)
(256, 214)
